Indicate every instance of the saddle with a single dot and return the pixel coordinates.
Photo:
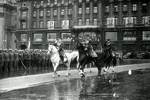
(62, 55)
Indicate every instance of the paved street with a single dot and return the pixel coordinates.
(13, 83)
(127, 85)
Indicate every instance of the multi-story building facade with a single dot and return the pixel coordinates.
(7, 24)
(125, 22)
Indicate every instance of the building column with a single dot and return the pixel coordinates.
(45, 20)
(58, 17)
(120, 19)
(91, 13)
(83, 13)
(100, 13)
(2, 31)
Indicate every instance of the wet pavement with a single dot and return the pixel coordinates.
(34, 71)
(114, 86)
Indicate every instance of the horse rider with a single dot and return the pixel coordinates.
(58, 44)
(108, 49)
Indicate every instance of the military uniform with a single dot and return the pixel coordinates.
(58, 45)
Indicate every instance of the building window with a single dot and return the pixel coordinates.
(116, 8)
(34, 14)
(23, 37)
(41, 13)
(116, 21)
(87, 10)
(55, 12)
(48, 2)
(134, 7)
(24, 14)
(34, 24)
(62, 2)
(34, 4)
(69, 11)
(51, 36)
(134, 20)
(88, 35)
(125, 8)
(111, 22)
(146, 35)
(48, 13)
(42, 3)
(80, 22)
(87, 21)
(65, 24)
(144, 7)
(66, 36)
(80, 1)
(41, 24)
(95, 21)
(87, 1)
(129, 36)
(50, 24)
(55, 2)
(111, 35)
(146, 20)
(23, 24)
(95, 9)
(70, 1)
(129, 21)
(107, 9)
(80, 11)
(37, 38)
(62, 12)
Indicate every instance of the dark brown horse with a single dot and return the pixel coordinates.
(101, 60)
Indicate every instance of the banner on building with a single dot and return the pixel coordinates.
(65, 24)
(50, 24)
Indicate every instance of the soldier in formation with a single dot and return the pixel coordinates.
(16, 60)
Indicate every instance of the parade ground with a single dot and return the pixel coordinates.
(14, 83)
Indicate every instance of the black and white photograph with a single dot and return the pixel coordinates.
(74, 49)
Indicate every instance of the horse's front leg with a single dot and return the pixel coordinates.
(55, 65)
(68, 68)
(82, 71)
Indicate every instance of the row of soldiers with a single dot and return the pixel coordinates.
(14, 60)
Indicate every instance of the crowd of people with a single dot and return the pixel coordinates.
(13, 60)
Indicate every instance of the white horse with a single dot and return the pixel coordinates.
(55, 58)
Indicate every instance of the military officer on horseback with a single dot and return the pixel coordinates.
(58, 44)
(108, 54)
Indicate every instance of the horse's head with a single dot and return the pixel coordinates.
(52, 49)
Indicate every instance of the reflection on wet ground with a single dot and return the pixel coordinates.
(115, 86)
